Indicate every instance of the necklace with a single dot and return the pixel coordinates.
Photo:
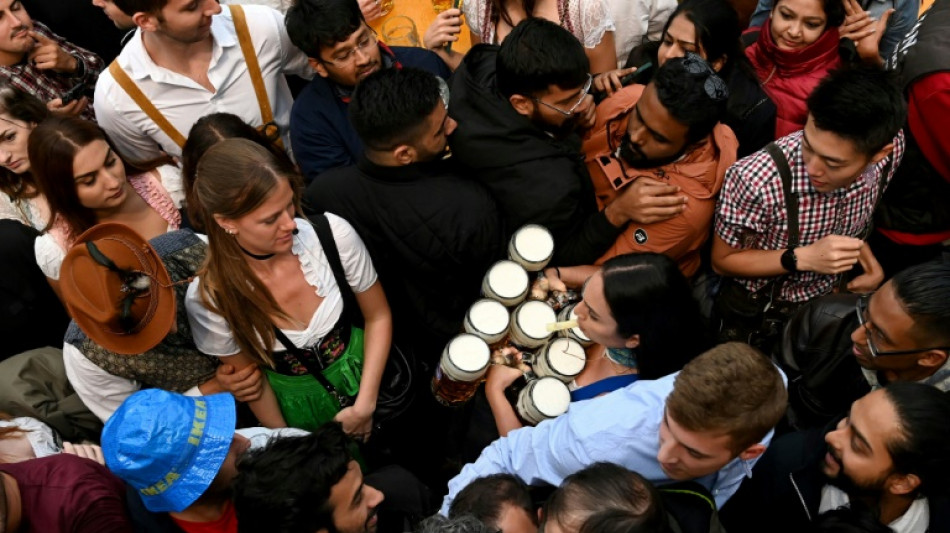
(259, 257)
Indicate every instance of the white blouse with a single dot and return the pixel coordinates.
(211, 331)
(591, 19)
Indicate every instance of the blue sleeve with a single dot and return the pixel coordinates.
(903, 19)
(762, 10)
(320, 134)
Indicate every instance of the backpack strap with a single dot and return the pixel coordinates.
(791, 200)
(268, 126)
(129, 86)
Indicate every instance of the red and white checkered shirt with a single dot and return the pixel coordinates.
(751, 213)
(49, 85)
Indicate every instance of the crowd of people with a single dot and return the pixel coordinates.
(239, 240)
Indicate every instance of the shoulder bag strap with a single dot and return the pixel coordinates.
(791, 199)
(146, 105)
(253, 68)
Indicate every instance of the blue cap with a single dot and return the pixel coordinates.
(169, 447)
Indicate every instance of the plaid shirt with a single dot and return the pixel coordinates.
(48, 85)
(752, 211)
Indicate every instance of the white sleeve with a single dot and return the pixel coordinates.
(170, 176)
(131, 143)
(292, 59)
(357, 264)
(49, 255)
(591, 21)
(210, 330)
(473, 15)
(8, 209)
(99, 390)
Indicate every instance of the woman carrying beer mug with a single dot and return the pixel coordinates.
(638, 311)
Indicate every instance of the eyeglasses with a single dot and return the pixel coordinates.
(570, 112)
(716, 89)
(344, 58)
(861, 307)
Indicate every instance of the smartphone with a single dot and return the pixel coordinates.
(74, 93)
(642, 75)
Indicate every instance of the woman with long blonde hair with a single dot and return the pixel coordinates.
(268, 295)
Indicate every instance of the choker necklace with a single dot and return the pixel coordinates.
(259, 257)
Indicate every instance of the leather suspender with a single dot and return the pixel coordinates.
(268, 126)
(791, 199)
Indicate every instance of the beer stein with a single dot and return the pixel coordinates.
(543, 398)
(561, 358)
(531, 247)
(463, 364)
(529, 324)
(575, 333)
(507, 282)
(488, 320)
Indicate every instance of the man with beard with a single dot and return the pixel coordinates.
(185, 61)
(664, 134)
(840, 346)
(343, 50)
(39, 62)
(889, 456)
(517, 106)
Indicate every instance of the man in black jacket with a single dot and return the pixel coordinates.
(889, 456)
(518, 106)
(432, 233)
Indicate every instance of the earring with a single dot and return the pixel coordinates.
(231, 231)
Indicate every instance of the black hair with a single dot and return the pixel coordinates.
(457, 524)
(607, 498)
(862, 104)
(390, 107)
(537, 54)
(285, 487)
(208, 131)
(684, 94)
(131, 7)
(315, 24)
(717, 29)
(924, 293)
(648, 295)
(921, 449)
(486, 497)
(856, 519)
(834, 12)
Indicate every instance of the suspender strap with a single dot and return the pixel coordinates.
(268, 126)
(791, 199)
(129, 86)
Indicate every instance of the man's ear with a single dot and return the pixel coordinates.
(145, 21)
(902, 484)
(633, 341)
(932, 359)
(404, 154)
(882, 153)
(522, 104)
(752, 452)
(318, 67)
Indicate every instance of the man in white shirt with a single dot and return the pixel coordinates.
(186, 60)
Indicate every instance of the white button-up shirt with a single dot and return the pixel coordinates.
(183, 101)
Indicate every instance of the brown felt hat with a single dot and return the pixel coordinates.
(117, 289)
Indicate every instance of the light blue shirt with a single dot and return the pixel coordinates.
(622, 427)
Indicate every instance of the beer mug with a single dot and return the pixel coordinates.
(543, 398)
(529, 324)
(561, 358)
(464, 362)
(488, 320)
(507, 282)
(531, 247)
(576, 332)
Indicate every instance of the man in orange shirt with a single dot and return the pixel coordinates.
(665, 139)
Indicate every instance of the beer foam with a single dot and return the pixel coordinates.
(567, 356)
(508, 279)
(468, 353)
(534, 243)
(489, 316)
(551, 397)
(533, 318)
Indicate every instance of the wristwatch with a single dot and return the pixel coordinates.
(789, 261)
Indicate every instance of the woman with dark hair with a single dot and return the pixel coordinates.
(710, 29)
(207, 132)
(796, 48)
(268, 295)
(85, 183)
(639, 312)
(20, 112)
(605, 498)
(490, 21)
